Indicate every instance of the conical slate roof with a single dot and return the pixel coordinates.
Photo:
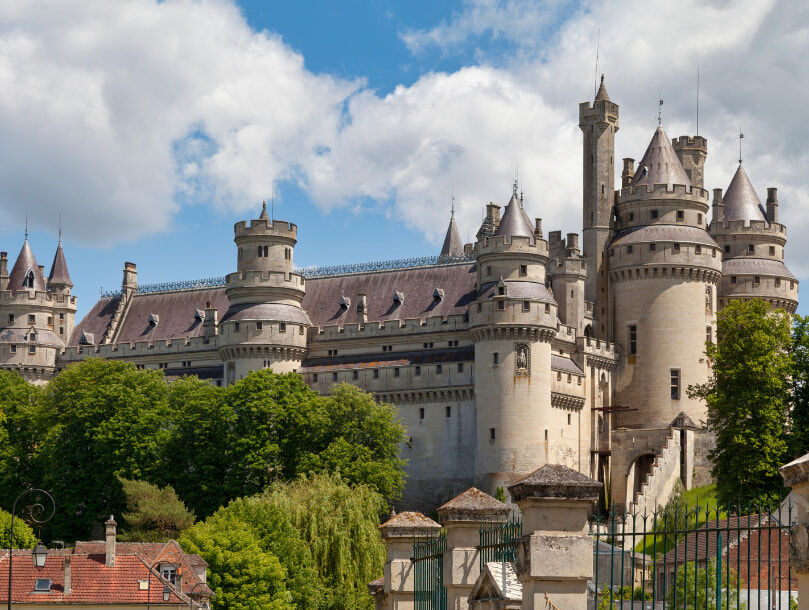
(602, 95)
(515, 222)
(25, 263)
(59, 275)
(741, 201)
(452, 247)
(660, 164)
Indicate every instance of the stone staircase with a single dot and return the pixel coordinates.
(661, 480)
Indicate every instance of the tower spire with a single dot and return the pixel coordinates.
(741, 137)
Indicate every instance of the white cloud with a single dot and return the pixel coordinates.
(118, 111)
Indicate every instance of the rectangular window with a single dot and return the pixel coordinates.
(697, 249)
(699, 219)
(491, 434)
(50, 321)
(680, 215)
(334, 376)
(756, 280)
(709, 334)
(713, 252)
(675, 384)
(523, 269)
(629, 249)
(568, 419)
(631, 217)
(778, 281)
(32, 349)
(32, 319)
(612, 251)
(676, 247)
(417, 371)
(11, 318)
(448, 411)
(460, 367)
(547, 308)
(314, 377)
(61, 330)
(13, 349)
(480, 307)
(488, 270)
(42, 585)
(495, 358)
(652, 247)
(732, 279)
(396, 372)
(653, 214)
(501, 304)
(355, 375)
(772, 250)
(259, 325)
(438, 369)
(376, 373)
(421, 412)
(727, 249)
(526, 305)
(751, 249)
(300, 330)
(633, 339)
(282, 327)
(236, 327)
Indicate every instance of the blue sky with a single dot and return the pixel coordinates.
(152, 127)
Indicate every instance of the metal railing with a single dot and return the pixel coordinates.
(428, 564)
(694, 558)
(499, 540)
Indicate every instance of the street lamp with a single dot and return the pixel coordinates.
(35, 512)
(166, 589)
(190, 591)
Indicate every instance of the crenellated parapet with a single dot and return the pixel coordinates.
(772, 230)
(390, 328)
(262, 227)
(663, 192)
(516, 246)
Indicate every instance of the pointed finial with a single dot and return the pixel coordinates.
(660, 111)
(60, 226)
(741, 137)
(26, 225)
(452, 209)
(392, 513)
(263, 215)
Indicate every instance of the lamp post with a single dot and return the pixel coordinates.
(35, 512)
(166, 589)
(190, 591)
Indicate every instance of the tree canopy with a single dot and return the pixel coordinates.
(153, 514)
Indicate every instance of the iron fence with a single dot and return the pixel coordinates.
(498, 541)
(428, 573)
(694, 558)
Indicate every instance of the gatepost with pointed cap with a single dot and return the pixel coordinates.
(555, 556)
(398, 582)
(462, 518)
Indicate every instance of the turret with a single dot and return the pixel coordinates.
(772, 204)
(692, 152)
(599, 123)
(3, 270)
(453, 247)
(59, 277)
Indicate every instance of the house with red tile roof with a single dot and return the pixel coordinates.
(107, 574)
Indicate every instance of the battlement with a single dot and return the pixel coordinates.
(181, 346)
(568, 266)
(500, 244)
(262, 227)
(662, 191)
(28, 298)
(269, 279)
(597, 347)
(697, 142)
(390, 328)
(601, 110)
(747, 227)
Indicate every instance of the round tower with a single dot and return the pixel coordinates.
(512, 321)
(664, 271)
(752, 242)
(265, 326)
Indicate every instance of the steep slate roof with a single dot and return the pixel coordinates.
(519, 290)
(663, 233)
(59, 275)
(756, 266)
(452, 241)
(565, 365)
(44, 338)
(25, 261)
(660, 164)
(515, 222)
(740, 200)
(176, 310)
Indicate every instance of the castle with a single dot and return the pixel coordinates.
(501, 355)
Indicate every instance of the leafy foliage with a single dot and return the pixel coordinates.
(799, 433)
(24, 537)
(153, 514)
(700, 593)
(748, 398)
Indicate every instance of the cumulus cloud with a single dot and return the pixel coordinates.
(121, 112)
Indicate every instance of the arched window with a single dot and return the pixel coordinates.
(28, 282)
(259, 250)
(709, 300)
(266, 250)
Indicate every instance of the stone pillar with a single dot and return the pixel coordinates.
(399, 533)
(555, 556)
(796, 476)
(462, 517)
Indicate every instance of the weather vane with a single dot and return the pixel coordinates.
(660, 111)
(741, 137)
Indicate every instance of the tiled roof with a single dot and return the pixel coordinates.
(740, 200)
(663, 233)
(756, 266)
(660, 164)
(566, 365)
(25, 262)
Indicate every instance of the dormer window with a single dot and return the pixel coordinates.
(154, 319)
(28, 281)
(169, 573)
(199, 315)
(345, 303)
(398, 298)
(501, 290)
(438, 294)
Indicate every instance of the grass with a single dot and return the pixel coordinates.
(692, 508)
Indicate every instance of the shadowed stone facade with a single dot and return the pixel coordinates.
(502, 355)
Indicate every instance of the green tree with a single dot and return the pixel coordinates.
(691, 595)
(23, 535)
(23, 427)
(748, 396)
(110, 420)
(339, 524)
(153, 514)
(799, 429)
(242, 575)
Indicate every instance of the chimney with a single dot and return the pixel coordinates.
(3, 270)
(42, 269)
(572, 244)
(130, 284)
(718, 206)
(772, 204)
(210, 325)
(68, 587)
(362, 308)
(110, 534)
(538, 227)
(628, 173)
